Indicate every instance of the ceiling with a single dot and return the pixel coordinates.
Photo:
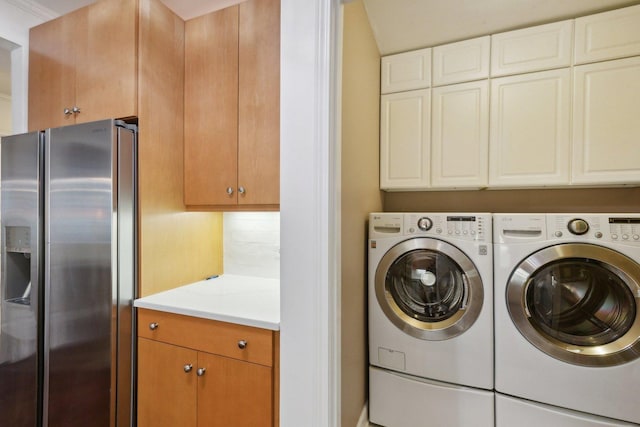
(402, 25)
(186, 9)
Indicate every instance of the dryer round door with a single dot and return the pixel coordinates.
(429, 289)
(578, 303)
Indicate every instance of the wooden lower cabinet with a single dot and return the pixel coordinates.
(179, 385)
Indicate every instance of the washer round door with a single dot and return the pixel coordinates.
(578, 303)
(429, 289)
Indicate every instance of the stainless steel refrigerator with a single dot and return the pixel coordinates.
(68, 224)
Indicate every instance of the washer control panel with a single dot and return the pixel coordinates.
(605, 227)
(454, 225)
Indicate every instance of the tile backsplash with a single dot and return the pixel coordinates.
(251, 244)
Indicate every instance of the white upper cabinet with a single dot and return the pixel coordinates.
(543, 47)
(464, 61)
(406, 71)
(460, 135)
(608, 35)
(404, 140)
(530, 116)
(606, 123)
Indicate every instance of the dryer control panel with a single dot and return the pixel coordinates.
(623, 228)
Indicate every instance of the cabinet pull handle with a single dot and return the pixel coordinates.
(241, 190)
(153, 326)
(75, 109)
(200, 371)
(188, 367)
(67, 111)
(242, 344)
(229, 190)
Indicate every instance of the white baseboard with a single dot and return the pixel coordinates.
(363, 421)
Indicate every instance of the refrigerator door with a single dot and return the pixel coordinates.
(84, 306)
(21, 219)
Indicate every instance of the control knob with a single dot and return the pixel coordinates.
(425, 224)
(578, 226)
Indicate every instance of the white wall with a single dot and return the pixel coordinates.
(309, 214)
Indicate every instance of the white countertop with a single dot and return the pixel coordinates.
(244, 300)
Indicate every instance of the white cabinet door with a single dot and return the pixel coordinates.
(406, 71)
(606, 123)
(460, 135)
(530, 116)
(404, 140)
(608, 35)
(543, 47)
(463, 61)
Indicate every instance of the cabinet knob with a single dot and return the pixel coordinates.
(75, 109)
(153, 326)
(242, 344)
(67, 111)
(229, 190)
(200, 371)
(241, 190)
(188, 367)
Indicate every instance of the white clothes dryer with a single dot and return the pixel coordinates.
(567, 311)
(430, 319)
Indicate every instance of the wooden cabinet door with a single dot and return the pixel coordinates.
(460, 135)
(167, 395)
(405, 135)
(211, 109)
(608, 35)
(105, 61)
(606, 129)
(84, 60)
(405, 71)
(234, 393)
(463, 61)
(52, 70)
(530, 129)
(259, 103)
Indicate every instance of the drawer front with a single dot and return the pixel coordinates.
(208, 335)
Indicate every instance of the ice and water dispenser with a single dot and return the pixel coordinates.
(17, 266)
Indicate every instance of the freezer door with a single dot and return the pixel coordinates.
(81, 283)
(21, 282)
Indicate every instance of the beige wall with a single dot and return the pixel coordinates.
(560, 200)
(360, 195)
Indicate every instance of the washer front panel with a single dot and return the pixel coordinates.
(578, 303)
(429, 289)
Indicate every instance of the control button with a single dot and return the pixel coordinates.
(438, 230)
(625, 237)
(578, 226)
(473, 232)
(457, 231)
(614, 236)
(558, 233)
(425, 224)
(412, 230)
(465, 232)
(636, 237)
(449, 232)
(598, 235)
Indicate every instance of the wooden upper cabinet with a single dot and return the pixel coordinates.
(84, 60)
(232, 108)
(259, 103)
(211, 108)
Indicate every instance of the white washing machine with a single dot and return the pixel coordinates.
(567, 313)
(430, 319)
